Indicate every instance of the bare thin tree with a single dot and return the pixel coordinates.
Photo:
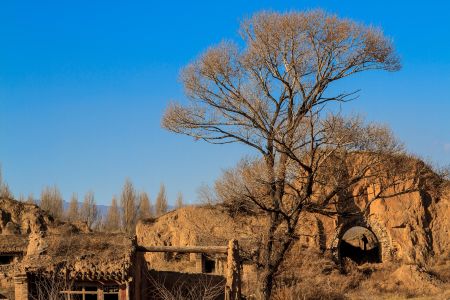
(161, 205)
(89, 212)
(73, 214)
(5, 192)
(52, 202)
(49, 287)
(179, 202)
(30, 199)
(100, 224)
(145, 208)
(112, 223)
(128, 201)
(274, 96)
(21, 198)
(206, 194)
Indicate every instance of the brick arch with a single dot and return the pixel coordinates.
(383, 238)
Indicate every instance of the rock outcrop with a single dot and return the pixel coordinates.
(18, 218)
(411, 229)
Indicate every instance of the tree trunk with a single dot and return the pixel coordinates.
(266, 283)
(273, 259)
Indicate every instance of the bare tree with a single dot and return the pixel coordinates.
(161, 201)
(206, 194)
(112, 223)
(274, 96)
(30, 199)
(89, 212)
(73, 213)
(100, 224)
(145, 208)
(52, 202)
(179, 203)
(5, 192)
(49, 287)
(21, 198)
(129, 209)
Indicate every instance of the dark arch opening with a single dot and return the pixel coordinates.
(360, 245)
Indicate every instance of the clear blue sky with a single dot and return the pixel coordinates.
(83, 85)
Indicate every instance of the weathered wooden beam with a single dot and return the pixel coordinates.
(186, 249)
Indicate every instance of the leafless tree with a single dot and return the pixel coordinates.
(100, 224)
(179, 203)
(49, 286)
(21, 198)
(51, 201)
(30, 199)
(89, 212)
(128, 201)
(145, 208)
(161, 201)
(5, 192)
(206, 194)
(73, 213)
(275, 96)
(112, 223)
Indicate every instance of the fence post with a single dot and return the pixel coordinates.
(21, 287)
(233, 280)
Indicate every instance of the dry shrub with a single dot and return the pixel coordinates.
(309, 293)
(441, 269)
(179, 286)
(311, 275)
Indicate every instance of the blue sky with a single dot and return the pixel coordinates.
(83, 85)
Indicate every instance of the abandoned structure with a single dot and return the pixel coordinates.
(411, 228)
(40, 257)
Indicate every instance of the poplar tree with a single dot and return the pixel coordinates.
(89, 212)
(161, 201)
(128, 205)
(73, 213)
(21, 198)
(112, 223)
(5, 192)
(145, 208)
(52, 202)
(30, 199)
(179, 202)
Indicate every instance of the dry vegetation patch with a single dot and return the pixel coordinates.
(313, 275)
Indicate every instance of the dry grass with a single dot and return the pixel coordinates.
(311, 276)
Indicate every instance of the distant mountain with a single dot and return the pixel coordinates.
(102, 209)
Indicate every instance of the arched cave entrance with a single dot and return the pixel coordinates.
(360, 245)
